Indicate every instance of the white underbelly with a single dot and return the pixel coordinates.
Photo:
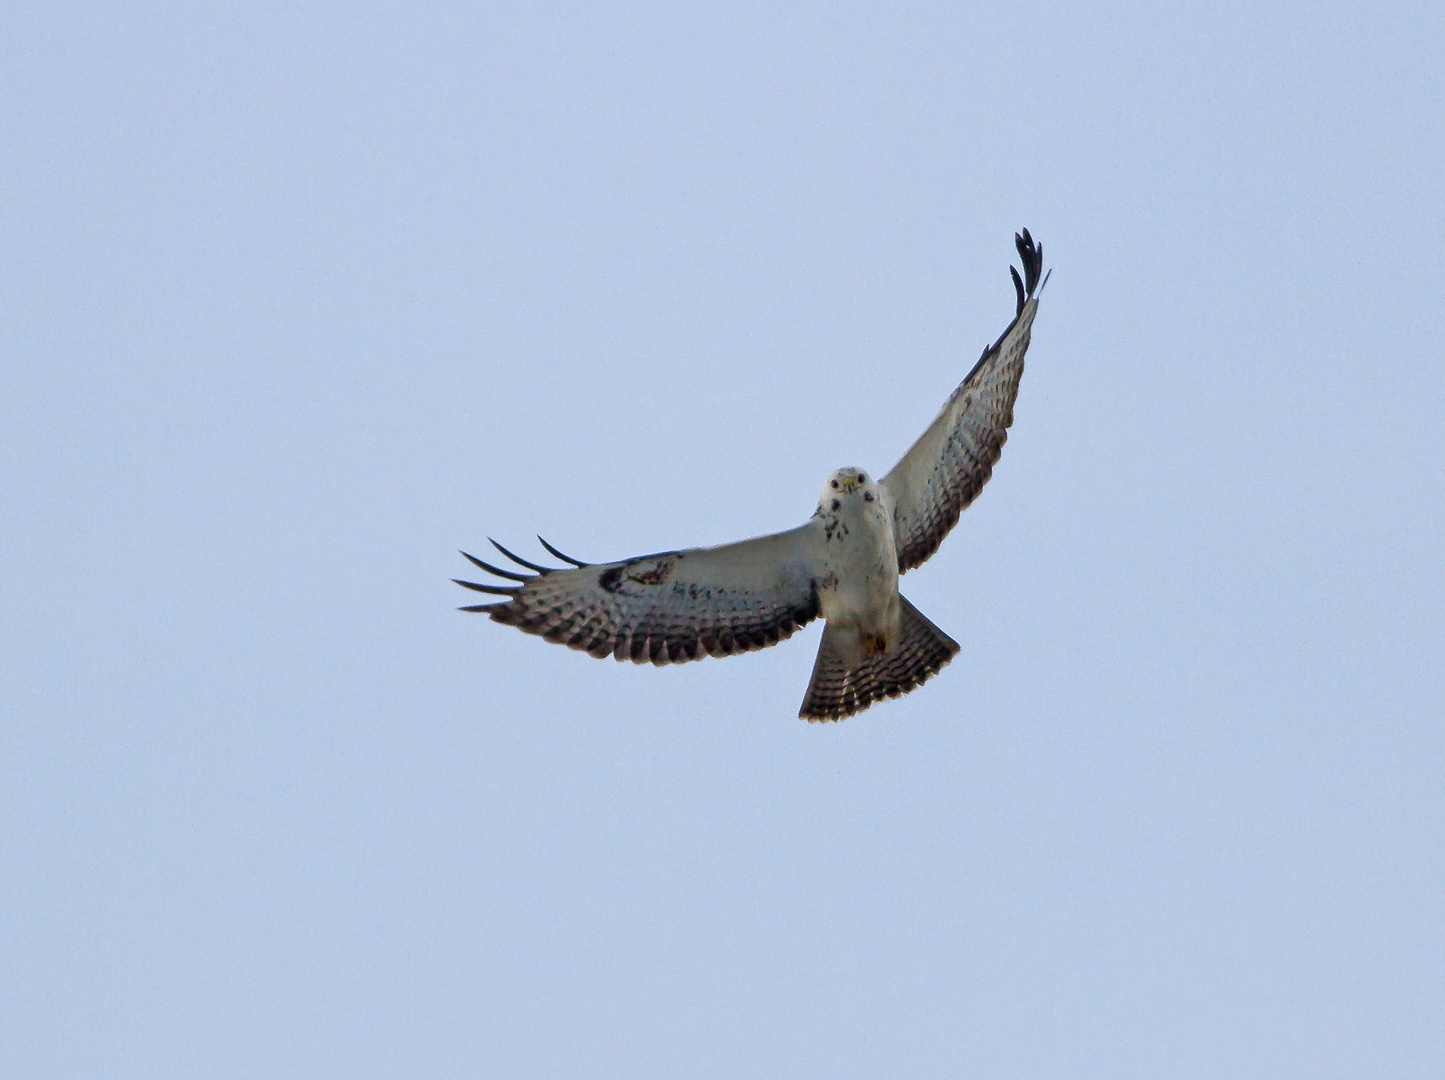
(864, 601)
(862, 578)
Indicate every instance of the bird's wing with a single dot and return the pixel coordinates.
(669, 607)
(947, 467)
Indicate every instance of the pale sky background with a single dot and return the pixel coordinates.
(296, 302)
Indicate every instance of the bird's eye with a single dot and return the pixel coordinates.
(835, 485)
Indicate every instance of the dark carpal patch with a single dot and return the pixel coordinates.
(613, 579)
(657, 575)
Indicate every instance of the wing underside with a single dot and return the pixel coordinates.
(664, 608)
(944, 471)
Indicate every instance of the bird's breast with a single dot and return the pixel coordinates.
(861, 579)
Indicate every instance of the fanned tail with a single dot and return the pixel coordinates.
(837, 691)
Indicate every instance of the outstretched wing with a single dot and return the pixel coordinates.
(947, 467)
(669, 607)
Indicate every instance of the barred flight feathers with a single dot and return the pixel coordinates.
(665, 608)
(949, 464)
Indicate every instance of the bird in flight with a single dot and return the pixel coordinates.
(842, 564)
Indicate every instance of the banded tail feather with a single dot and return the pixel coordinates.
(837, 691)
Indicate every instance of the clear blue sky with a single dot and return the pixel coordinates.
(294, 303)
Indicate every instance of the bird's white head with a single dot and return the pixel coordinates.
(847, 489)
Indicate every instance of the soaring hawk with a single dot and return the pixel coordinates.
(843, 563)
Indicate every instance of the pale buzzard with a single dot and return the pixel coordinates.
(843, 564)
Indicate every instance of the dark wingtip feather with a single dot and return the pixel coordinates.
(558, 555)
(489, 568)
(495, 590)
(483, 608)
(1018, 288)
(1033, 259)
(519, 560)
(1031, 262)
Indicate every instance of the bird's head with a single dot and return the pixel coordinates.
(845, 487)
